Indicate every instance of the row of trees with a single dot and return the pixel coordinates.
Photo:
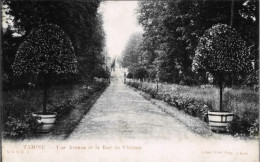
(79, 20)
(172, 30)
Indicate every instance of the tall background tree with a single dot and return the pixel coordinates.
(80, 20)
(172, 30)
(132, 53)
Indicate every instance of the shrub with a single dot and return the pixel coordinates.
(197, 101)
(251, 79)
(141, 73)
(100, 72)
(254, 129)
(135, 85)
(167, 98)
(190, 81)
(130, 75)
(64, 108)
(25, 126)
(98, 85)
(153, 92)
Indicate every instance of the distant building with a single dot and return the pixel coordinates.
(107, 60)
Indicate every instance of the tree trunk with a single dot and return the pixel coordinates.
(45, 88)
(1, 74)
(231, 24)
(232, 13)
(257, 41)
(220, 83)
(157, 86)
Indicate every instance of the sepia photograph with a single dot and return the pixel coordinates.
(127, 81)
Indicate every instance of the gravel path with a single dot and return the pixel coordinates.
(121, 112)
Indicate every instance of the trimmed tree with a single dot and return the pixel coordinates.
(221, 51)
(46, 50)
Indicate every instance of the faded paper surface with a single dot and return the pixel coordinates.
(129, 150)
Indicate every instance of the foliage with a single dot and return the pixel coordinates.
(254, 129)
(140, 73)
(130, 75)
(63, 108)
(134, 84)
(25, 126)
(82, 95)
(80, 20)
(151, 73)
(99, 85)
(189, 80)
(131, 55)
(10, 45)
(252, 79)
(245, 125)
(172, 30)
(19, 104)
(5, 77)
(100, 72)
(151, 15)
(46, 50)
(222, 50)
(197, 101)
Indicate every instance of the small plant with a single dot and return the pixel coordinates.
(153, 92)
(130, 75)
(245, 124)
(64, 108)
(254, 129)
(175, 99)
(22, 127)
(167, 98)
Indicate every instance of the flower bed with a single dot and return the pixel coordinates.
(197, 101)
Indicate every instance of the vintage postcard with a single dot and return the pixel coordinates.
(130, 81)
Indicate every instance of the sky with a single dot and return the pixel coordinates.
(120, 21)
(6, 19)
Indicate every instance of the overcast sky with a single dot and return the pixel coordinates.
(120, 22)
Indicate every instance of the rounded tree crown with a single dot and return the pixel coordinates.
(222, 50)
(47, 49)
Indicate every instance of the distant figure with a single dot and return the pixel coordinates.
(113, 65)
(124, 77)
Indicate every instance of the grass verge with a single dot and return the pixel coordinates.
(197, 101)
(65, 125)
